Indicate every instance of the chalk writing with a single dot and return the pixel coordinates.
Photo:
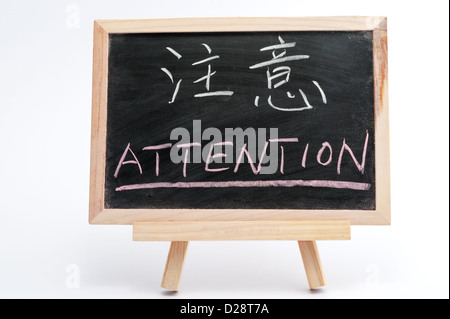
(207, 77)
(276, 77)
(283, 72)
(288, 121)
(243, 152)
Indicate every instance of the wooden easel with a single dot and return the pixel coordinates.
(181, 232)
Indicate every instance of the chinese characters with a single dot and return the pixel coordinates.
(278, 73)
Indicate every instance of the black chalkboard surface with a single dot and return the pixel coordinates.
(303, 99)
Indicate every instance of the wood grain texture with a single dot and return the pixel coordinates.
(130, 216)
(98, 214)
(244, 230)
(98, 121)
(243, 24)
(312, 263)
(174, 266)
(382, 150)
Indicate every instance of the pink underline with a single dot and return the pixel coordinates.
(279, 183)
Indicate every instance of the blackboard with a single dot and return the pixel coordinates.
(303, 101)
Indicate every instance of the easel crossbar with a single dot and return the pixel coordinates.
(241, 230)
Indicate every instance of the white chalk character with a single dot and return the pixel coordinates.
(169, 74)
(207, 77)
(281, 75)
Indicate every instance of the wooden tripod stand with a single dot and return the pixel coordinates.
(180, 233)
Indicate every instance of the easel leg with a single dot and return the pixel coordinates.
(313, 266)
(174, 265)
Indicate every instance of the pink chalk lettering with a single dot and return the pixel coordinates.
(349, 150)
(122, 161)
(211, 149)
(157, 148)
(250, 160)
(305, 154)
(186, 154)
(319, 155)
(275, 183)
(283, 140)
(157, 164)
(187, 145)
(129, 162)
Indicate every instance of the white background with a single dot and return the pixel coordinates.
(45, 108)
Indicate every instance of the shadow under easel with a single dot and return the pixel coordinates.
(169, 293)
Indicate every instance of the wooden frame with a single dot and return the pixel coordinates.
(102, 28)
